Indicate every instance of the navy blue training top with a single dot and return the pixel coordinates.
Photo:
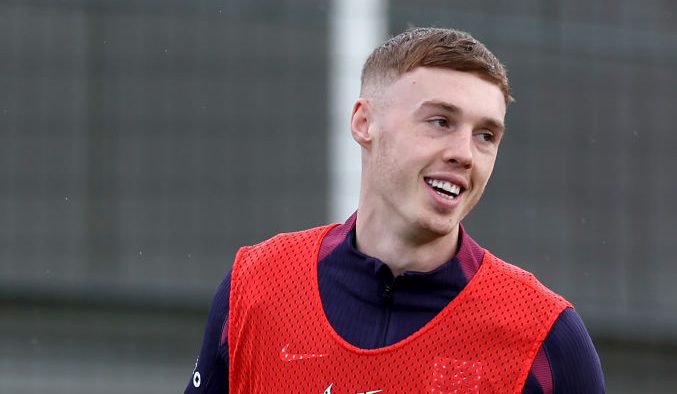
(370, 308)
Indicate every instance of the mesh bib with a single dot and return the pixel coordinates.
(280, 341)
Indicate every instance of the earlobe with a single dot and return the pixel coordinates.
(360, 122)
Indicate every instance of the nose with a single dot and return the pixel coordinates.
(459, 149)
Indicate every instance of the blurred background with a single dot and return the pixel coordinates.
(142, 142)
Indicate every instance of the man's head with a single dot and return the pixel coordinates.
(429, 120)
(435, 48)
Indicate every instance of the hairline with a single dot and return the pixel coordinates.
(384, 80)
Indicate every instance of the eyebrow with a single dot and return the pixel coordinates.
(451, 109)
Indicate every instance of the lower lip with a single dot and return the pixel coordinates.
(441, 200)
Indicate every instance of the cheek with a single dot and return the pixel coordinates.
(386, 171)
(485, 167)
(401, 157)
(481, 175)
(389, 153)
(487, 173)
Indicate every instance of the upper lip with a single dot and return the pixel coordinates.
(455, 179)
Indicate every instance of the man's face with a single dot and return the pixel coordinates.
(434, 135)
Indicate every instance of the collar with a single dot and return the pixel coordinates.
(340, 242)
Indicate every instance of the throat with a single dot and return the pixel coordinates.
(404, 241)
(403, 254)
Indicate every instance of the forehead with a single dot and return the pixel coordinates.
(467, 91)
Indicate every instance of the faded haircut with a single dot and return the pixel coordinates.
(432, 47)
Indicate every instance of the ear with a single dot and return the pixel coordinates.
(361, 121)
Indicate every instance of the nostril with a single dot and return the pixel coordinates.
(465, 163)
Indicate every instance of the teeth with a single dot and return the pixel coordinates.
(447, 186)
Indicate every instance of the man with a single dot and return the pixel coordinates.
(400, 299)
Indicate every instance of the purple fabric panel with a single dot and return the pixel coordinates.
(470, 254)
(336, 236)
(541, 370)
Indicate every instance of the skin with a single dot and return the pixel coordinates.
(428, 123)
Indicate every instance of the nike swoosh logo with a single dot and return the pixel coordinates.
(328, 390)
(286, 356)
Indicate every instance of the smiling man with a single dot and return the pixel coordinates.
(399, 298)
(429, 142)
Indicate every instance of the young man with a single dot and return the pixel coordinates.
(400, 299)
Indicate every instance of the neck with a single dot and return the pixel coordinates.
(399, 246)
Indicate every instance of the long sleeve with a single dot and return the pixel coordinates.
(211, 368)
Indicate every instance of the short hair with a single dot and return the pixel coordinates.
(433, 47)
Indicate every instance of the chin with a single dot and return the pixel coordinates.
(437, 227)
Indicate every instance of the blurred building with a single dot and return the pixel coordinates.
(142, 142)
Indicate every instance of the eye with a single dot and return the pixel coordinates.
(439, 122)
(486, 135)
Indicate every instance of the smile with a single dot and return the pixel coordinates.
(444, 188)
